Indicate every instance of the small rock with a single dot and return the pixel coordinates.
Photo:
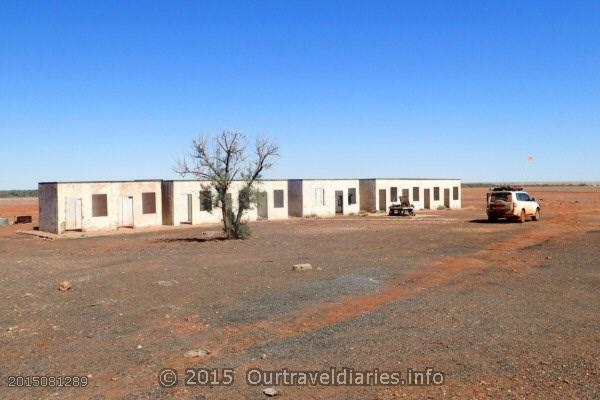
(271, 392)
(302, 267)
(263, 356)
(548, 257)
(64, 286)
(139, 346)
(166, 283)
(196, 353)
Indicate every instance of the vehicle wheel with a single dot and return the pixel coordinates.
(522, 217)
(537, 215)
(492, 218)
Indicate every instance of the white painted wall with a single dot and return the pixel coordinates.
(421, 184)
(114, 192)
(312, 207)
(304, 197)
(182, 188)
(270, 186)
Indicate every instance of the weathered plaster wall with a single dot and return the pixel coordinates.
(422, 184)
(270, 186)
(48, 207)
(114, 191)
(181, 190)
(310, 204)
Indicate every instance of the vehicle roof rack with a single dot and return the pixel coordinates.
(506, 188)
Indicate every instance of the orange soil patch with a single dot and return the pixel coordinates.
(20, 206)
(565, 223)
(13, 207)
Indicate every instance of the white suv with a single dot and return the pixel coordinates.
(511, 203)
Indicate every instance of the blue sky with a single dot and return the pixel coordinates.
(117, 90)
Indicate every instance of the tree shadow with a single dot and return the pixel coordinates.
(193, 239)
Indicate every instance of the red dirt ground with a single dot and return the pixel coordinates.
(20, 206)
(505, 310)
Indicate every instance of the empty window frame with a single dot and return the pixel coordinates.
(394, 194)
(319, 197)
(405, 194)
(415, 193)
(351, 196)
(149, 203)
(455, 193)
(436, 193)
(206, 203)
(244, 200)
(99, 205)
(278, 198)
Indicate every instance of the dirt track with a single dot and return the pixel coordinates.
(505, 310)
(20, 206)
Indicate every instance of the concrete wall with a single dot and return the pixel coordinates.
(422, 184)
(310, 199)
(114, 192)
(181, 190)
(301, 197)
(269, 186)
(48, 207)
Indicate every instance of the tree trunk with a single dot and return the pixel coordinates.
(225, 213)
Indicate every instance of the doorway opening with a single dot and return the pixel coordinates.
(73, 214)
(339, 201)
(262, 205)
(447, 198)
(187, 199)
(427, 199)
(382, 200)
(127, 211)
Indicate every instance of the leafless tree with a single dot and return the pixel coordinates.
(220, 160)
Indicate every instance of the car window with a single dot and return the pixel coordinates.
(500, 197)
(523, 197)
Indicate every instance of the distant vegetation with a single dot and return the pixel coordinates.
(7, 194)
(543, 184)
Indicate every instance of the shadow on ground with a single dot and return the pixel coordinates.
(193, 239)
(487, 221)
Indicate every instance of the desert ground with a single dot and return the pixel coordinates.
(504, 310)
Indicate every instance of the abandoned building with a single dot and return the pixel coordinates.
(105, 205)
(377, 194)
(88, 206)
(191, 202)
(323, 197)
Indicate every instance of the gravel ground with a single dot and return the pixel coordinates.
(504, 310)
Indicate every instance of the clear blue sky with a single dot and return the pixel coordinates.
(94, 90)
